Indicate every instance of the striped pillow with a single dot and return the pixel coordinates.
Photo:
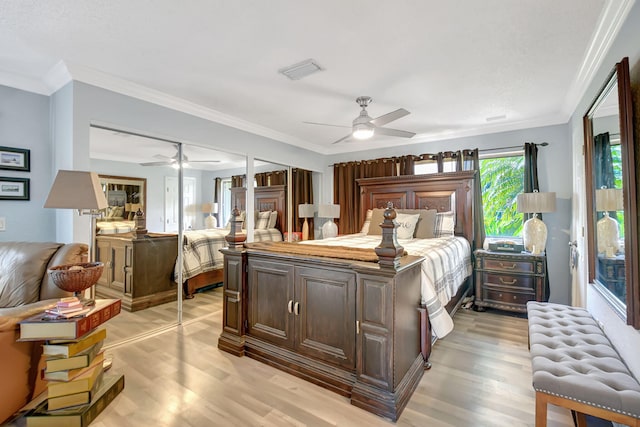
(445, 224)
(263, 220)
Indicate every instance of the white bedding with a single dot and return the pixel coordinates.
(115, 227)
(201, 248)
(447, 263)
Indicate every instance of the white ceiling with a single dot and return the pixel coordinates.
(454, 65)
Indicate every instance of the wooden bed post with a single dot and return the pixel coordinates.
(234, 303)
(389, 251)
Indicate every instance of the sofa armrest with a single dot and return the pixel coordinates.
(11, 316)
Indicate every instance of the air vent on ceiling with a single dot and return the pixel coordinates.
(301, 69)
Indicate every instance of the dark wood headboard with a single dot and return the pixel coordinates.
(449, 191)
(271, 198)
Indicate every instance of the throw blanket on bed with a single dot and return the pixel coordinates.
(201, 249)
(446, 265)
(341, 252)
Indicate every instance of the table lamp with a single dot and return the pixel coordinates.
(329, 228)
(607, 231)
(210, 221)
(305, 210)
(534, 232)
(82, 191)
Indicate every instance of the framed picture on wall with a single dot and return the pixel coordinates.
(16, 159)
(14, 188)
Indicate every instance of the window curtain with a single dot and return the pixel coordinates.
(237, 181)
(406, 165)
(603, 166)
(470, 160)
(302, 184)
(261, 179)
(531, 183)
(217, 191)
(346, 192)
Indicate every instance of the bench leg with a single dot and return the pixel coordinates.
(541, 410)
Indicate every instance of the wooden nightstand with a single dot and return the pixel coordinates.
(507, 281)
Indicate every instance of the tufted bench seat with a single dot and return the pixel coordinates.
(575, 366)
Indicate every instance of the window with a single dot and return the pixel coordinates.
(502, 180)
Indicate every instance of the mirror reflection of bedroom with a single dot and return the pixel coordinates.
(137, 234)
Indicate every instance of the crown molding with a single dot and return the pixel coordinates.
(143, 93)
(24, 82)
(613, 16)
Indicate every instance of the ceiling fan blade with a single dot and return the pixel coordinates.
(326, 124)
(342, 139)
(394, 132)
(389, 117)
(163, 163)
(202, 161)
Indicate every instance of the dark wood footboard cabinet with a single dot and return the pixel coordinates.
(137, 271)
(351, 327)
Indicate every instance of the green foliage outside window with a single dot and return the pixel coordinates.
(502, 180)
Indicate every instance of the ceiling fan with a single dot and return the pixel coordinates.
(364, 127)
(173, 161)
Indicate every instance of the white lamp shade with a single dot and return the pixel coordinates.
(76, 190)
(214, 208)
(536, 202)
(305, 210)
(609, 199)
(207, 208)
(329, 211)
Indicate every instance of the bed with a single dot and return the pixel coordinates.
(358, 328)
(202, 259)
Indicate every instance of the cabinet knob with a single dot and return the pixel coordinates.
(290, 306)
(515, 297)
(296, 308)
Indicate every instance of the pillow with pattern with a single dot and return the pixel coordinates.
(367, 222)
(445, 224)
(406, 225)
(263, 220)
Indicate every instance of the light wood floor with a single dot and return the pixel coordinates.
(481, 376)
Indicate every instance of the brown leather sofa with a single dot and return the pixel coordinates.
(26, 289)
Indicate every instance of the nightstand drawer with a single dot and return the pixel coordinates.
(521, 266)
(507, 297)
(511, 281)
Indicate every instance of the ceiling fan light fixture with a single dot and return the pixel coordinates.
(362, 131)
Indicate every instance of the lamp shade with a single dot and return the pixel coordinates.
(207, 208)
(76, 190)
(536, 202)
(609, 199)
(305, 210)
(329, 211)
(214, 208)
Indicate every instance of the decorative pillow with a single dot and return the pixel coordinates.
(445, 224)
(377, 217)
(426, 223)
(367, 222)
(273, 219)
(406, 225)
(263, 220)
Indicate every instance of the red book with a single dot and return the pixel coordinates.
(43, 327)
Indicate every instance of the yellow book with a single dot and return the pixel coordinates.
(82, 360)
(79, 384)
(70, 374)
(75, 399)
(69, 349)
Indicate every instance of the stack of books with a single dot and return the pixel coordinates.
(74, 363)
(67, 308)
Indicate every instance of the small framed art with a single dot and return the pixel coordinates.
(15, 159)
(14, 188)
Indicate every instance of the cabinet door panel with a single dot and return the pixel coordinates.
(326, 319)
(103, 254)
(118, 255)
(270, 287)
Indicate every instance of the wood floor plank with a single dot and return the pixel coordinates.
(481, 376)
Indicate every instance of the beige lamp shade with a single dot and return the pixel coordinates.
(329, 211)
(76, 190)
(305, 210)
(207, 208)
(536, 202)
(609, 199)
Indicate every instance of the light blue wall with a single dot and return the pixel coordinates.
(24, 123)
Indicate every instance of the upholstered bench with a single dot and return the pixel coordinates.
(575, 366)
